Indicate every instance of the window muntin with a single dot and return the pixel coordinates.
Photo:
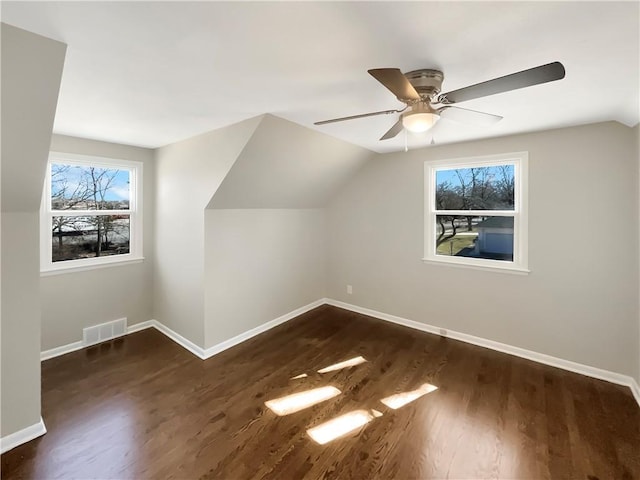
(476, 211)
(91, 212)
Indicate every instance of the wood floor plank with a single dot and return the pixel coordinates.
(141, 407)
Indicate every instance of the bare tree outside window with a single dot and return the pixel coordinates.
(78, 193)
(483, 188)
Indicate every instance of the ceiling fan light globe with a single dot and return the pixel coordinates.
(419, 122)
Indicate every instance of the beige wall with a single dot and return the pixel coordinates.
(373, 233)
(265, 229)
(31, 72)
(285, 165)
(260, 264)
(211, 274)
(73, 301)
(20, 321)
(636, 141)
(187, 175)
(580, 301)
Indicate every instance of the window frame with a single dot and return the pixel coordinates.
(520, 161)
(135, 255)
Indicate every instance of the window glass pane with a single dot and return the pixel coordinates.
(80, 187)
(478, 188)
(88, 237)
(475, 237)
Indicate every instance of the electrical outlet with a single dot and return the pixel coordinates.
(349, 289)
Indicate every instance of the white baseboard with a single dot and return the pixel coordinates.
(140, 326)
(188, 344)
(635, 389)
(176, 337)
(22, 436)
(179, 339)
(587, 370)
(203, 354)
(56, 352)
(72, 347)
(211, 351)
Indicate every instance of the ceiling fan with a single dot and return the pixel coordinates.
(419, 90)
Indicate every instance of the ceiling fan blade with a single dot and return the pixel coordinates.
(464, 115)
(393, 131)
(396, 82)
(526, 78)
(362, 115)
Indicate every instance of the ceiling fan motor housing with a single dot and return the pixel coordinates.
(427, 82)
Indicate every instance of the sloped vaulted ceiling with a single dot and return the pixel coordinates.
(153, 73)
(31, 73)
(285, 165)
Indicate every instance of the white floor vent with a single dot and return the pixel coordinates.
(104, 331)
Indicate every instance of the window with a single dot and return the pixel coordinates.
(91, 212)
(476, 211)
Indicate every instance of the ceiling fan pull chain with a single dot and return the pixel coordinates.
(406, 142)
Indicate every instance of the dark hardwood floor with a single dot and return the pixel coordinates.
(142, 407)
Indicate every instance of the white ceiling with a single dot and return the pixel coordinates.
(150, 74)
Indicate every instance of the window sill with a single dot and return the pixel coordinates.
(81, 268)
(489, 268)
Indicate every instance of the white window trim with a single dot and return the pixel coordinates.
(47, 267)
(520, 263)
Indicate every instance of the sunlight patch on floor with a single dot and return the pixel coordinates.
(352, 362)
(340, 426)
(301, 400)
(401, 399)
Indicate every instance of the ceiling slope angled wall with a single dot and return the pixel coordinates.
(285, 165)
(265, 232)
(187, 174)
(29, 99)
(31, 73)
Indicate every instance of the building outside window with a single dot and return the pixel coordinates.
(476, 211)
(91, 212)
